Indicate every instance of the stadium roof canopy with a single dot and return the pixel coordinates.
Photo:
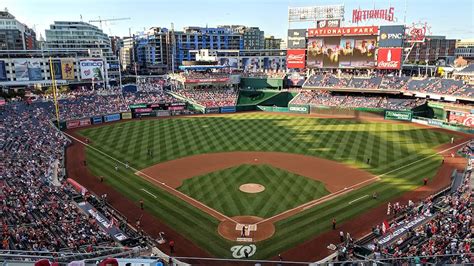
(201, 68)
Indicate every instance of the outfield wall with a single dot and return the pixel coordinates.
(350, 112)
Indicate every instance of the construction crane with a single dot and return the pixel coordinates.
(105, 20)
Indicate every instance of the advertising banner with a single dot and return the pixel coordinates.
(228, 62)
(78, 123)
(106, 225)
(344, 31)
(461, 118)
(295, 79)
(391, 36)
(302, 109)
(250, 64)
(21, 69)
(127, 115)
(398, 115)
(331, 23)
(389, 58)
(92, 69)
(97, 120)
(34, 69)
(434, 122)
(178, 104)
(295, 58)
(3, 71)
(112, 117)
(56, 66)
(296, 39)
(209, 80)
(161, 113)
(143, 110)
(174, 108)
(212, 110)
(140, 105)
(67, 69)
(228, 109)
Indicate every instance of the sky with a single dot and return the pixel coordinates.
(452, 18)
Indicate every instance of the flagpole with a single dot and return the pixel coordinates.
(53, 82)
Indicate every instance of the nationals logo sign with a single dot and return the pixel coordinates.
(417, 32)
(359, 15)
(389, 58)
(295, 58)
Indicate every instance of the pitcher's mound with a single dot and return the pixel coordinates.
(254, 232)
(251, 188)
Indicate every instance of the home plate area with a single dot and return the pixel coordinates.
(233, 231)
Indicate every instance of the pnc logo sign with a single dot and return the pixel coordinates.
(391, 36)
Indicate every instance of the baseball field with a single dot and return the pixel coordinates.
(283, 176)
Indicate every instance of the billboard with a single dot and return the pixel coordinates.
(295, 58)
(389, 58)
(271, 63)
(21, 69)
(228, 62)
(56, 66)
(78, 123)
(391, 36)
(34, 69)
(3, 71)
(340, 52)
(67, 69)
(314, 13)
(250, 64)
(295, 79)
(112, 117)
(92, 69)
(398, 115)
(296, 39)
(332, 23)
(344, 31)
(461, 118)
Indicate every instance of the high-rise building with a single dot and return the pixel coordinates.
(127, 53)
(151, 51)
(253, 37)
(465, 48)
(272, 43)
(15, 35)
(78, 35)
(181, 43)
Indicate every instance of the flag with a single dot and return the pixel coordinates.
(385, 226)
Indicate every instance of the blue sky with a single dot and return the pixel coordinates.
(452, 18)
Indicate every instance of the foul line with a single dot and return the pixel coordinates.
(178, 193)
(304, 206)
(365, 196)
(146, 191)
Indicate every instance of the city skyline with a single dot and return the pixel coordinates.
(274, 20)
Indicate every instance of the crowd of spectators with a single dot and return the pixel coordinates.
(211, 96)
(36, 206)
(437, 86)
(326, 98)
(442, 235)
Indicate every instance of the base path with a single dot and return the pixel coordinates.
(335, 176)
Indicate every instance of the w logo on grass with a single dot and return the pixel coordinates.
(239, 251)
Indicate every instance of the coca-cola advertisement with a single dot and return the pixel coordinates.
(389, 58)
(295, 58)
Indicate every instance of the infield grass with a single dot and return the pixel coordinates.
(388, 145)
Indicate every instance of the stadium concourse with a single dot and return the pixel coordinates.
(43, 212)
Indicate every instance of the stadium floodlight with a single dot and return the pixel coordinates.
(314, 13)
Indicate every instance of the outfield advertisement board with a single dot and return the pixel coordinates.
(161, 113)
(302, 109)
(296, 39)
(212, 110)
(34, 69)
(398, 115)
(57, 69)
(143, 110)
(21, 69)
(140, 105)
(67, 69)
(391, 36)
(228, 109)
(78, 123)
(435, 122)
(127, 115)
(461, 118)
(112, 117)
(97, 120)
(389, 58)
(296, 58)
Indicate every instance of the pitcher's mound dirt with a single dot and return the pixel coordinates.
(232, 231)
(251, 188)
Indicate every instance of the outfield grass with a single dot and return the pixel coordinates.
(283, 190)
(389, 146)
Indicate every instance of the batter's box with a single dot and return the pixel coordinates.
(249, 227)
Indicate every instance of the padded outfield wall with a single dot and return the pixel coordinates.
(261, 83)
